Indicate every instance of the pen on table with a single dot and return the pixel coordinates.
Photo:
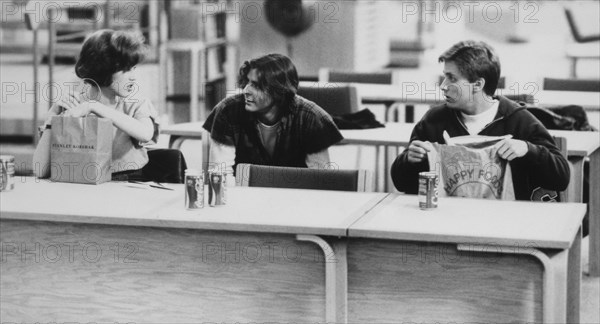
(157, 185)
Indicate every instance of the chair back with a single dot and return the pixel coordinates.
(252, 175)
(579, 38)
(381, 77)
(166, 165)
(333, 98)
(588, 85)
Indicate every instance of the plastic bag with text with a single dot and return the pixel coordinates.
(469, 166)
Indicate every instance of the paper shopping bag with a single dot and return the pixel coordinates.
(469, 166)
(81, 149)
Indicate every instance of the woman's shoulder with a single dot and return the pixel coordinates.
(135, 105)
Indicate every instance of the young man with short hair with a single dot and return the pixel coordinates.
(472, 71)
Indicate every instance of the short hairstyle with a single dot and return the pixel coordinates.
(276, 74)
(475, 60)
(106, 52)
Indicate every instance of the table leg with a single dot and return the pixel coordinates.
(377, 181)
(194, 86)
(574, 280)
(336, 277)
(575, 189)
(555, 287)
(594, 214)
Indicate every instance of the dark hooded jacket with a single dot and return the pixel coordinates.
(542, 167)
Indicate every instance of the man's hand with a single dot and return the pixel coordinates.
(510, 149)
(417, 151)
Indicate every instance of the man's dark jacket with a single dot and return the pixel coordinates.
(543, 165)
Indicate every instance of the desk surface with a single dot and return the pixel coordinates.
(191, 130)
(474, 221)
(578, 143)
(291, 211)
(428, 94)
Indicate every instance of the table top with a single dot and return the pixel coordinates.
(473, 221)
(297, 211)
(291, 211)
(429, 94)
(191, 130)
(578, 143)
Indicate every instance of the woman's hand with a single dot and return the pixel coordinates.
(68, 102)
(80, 110)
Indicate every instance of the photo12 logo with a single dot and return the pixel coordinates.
(36, 12)
(70, 252)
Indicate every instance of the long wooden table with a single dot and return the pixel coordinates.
(117, 253)
(580, 145)
(469, 260)
(111, 252)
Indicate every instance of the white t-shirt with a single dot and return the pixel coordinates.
(475, 123)
(268, 136)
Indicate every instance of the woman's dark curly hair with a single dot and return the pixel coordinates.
(106, 52)
(277, 76)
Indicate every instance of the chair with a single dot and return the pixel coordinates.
(335, 99)
(382, 77)
(585, 46)
(165, 165)
(590, 85)
(252, 175)
(579, 38)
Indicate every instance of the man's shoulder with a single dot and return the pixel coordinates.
(232, 102)
(512, 109)
(438, 113)
(232, 107)
(303, 107)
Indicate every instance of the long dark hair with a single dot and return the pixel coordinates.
(277, 76)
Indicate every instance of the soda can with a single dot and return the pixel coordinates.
(7, 169)
(194, 189)
(428, 190)
(217, 188)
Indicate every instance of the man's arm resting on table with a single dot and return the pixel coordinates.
(221, 156)
(318, 160)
